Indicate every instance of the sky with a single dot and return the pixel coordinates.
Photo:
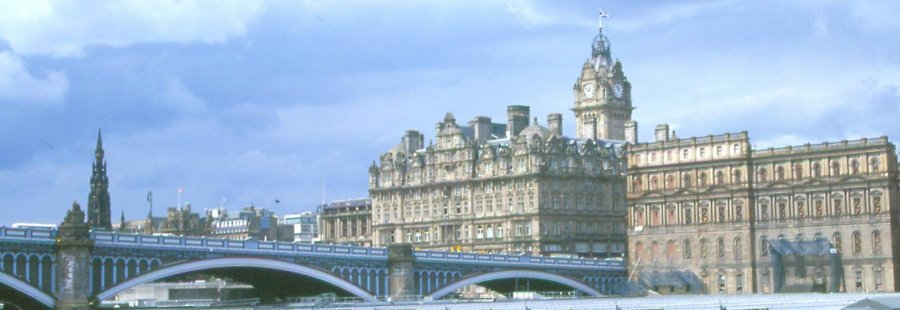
(249, 102)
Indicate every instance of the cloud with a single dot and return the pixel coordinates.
(657, 14)
(533, 14)
(18, 85)
(175, 95)
(65, 28)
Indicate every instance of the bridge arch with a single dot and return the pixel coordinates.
(514, 274)
(235, 262)
(30, 291)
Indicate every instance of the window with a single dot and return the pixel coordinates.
(702, 181)
(779, 173)
(670, 250)
(704, 248)
(858, 279)
(876, 204)
(857, 243)
(687, 216)
(764, 212)
(764, 246)
(736, 176)
(739, 283)
(876, 242)
(736, 149)
(738, 248)
(854, 166)
(687, 249)
(836, 240)
(720, 248)
(702, 152)
(798, 171)
(762, 175)
(875, 165)
(685, 154)
(720, 177)
(816, 170)
(638, 250)
(719, 150)
(686, 180)
(670, 182)
(835, 168)
(721, 278)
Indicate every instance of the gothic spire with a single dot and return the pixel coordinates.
(98, 199)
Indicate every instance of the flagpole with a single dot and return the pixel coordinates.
(179, 198)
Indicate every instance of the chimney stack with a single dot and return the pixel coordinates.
(518, 119)
(554, 123)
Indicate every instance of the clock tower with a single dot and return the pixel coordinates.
(602, 95)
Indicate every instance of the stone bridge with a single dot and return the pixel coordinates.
(42, 268)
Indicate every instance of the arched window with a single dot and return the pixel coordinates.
(762, 175)
(764, 246)
(779, 173)
(836, 240)
(638, 250)
(704, 248)
(670, 182)
(798, 171)
(687, 249)
(835, 168)
(876, 242)
(654, 251)
(720, 177)
(820, 243)
(874, 165)
(736, 176)
(670, 250)
(816, 170)
(636, 183)
(686, 180)
(654, 183)
(738, 248)
(639, 217)
(854, 166)
(857, 243)
(720, 248)
(702, 181)
(723, 214)
(687, 216)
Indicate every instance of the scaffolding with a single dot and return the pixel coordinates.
(799, 255)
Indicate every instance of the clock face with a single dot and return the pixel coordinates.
(618, 90)
(588, 91)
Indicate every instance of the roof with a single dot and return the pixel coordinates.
(876, 303)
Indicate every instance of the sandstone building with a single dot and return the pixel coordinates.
(346, 222)
(710, 214)
(517, 187)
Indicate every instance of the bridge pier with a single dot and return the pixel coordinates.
(73, 253)
(400, 270)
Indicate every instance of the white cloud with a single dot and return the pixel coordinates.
(65, 28)
(667, 13)
(532, 14)
(17, 84)
(175, 95)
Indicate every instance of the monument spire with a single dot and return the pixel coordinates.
(98, 199)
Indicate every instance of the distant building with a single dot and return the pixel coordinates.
(251, 222)
(517, 187)
(709, 214)
(181, 221)
(303, 226)
(347, 222)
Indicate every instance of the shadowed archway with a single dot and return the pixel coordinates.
(515, 274)
(269, 265)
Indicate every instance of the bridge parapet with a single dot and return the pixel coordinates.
(37, 235)
(518, 260)
(184, 243)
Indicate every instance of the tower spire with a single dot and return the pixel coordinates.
(98, 199)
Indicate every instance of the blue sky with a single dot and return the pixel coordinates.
(257, 101)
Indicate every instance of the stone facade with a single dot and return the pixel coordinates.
(347, 222)
(517, 187)
(729, 219)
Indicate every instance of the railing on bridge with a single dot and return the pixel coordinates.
(37, 234)
(518, 259)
